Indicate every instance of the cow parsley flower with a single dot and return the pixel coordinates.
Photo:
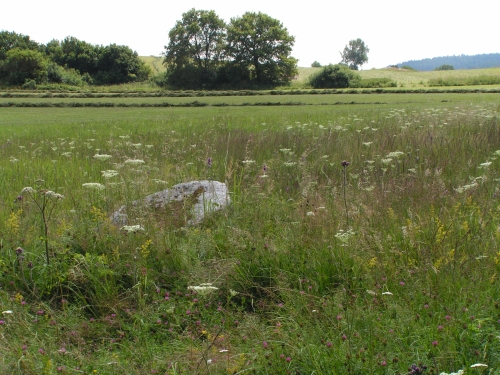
(93, 186)
(102, 157)
(134, 161)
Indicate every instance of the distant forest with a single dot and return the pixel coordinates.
(487, 60)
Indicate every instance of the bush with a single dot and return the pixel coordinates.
(407, 67)
(58, 74)
(334, 76)
(316, 64)
(445, 67)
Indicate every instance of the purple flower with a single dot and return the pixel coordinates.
(435, 343)
(264, 344)
(288, 359)
(209, 162)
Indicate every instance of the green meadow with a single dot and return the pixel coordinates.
(362, 235)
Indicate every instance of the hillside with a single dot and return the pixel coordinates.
(490, 60)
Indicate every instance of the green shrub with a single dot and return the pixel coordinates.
(407, 67)
(445, 67)
(334, 76)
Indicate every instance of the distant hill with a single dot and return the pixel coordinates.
(489, 60)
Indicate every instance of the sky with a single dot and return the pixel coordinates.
(394, 31)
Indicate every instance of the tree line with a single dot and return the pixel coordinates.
(482, 61)
(70, 61)
(204, 52)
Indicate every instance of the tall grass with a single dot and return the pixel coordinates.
(391, 264)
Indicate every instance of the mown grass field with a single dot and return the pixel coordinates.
(360, 239)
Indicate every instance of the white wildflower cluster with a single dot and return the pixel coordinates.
(93, 186)
(343, 236)
(395, 154)
(367, 143)
(13, 159)
(386, 161)
(28, 190)
(102, 157)
(472, 185)
(132, 228)
(248, 161)
(485, 165)
(289, 163)
(203, 289)
(109, 173)
(66, 154)
(459, 372)
(286, 151)
(134, 161)
(53, 195)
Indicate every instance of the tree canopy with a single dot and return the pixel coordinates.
(204, 52)
(70, 61)
(355, 54)
(263, 45)
(196, 48)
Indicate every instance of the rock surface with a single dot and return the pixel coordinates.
(207, 196)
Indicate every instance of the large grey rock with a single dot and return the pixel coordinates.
(208, 196)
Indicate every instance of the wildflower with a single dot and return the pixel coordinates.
(134, 161)
(93, 186)
(203, 289)
(344, 337)
(209, 162)
(264, 344)
(435, 343)
(102, 157)
(329, 344)
(28, 190)
(395, 154)
(53, 195)
(288, 359)
(402, 283)
(7, 312)
(387, 294)
(2, 322)
(478, 365)
(345, 163)
(132, 228)
(109, 173)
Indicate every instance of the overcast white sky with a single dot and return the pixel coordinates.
(395, 31)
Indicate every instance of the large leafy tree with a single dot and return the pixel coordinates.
(355, 54)
(10, 40)
(262, 45)
(196, 48)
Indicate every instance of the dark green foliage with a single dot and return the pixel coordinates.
(23, 64)
(407, 67)
(262, 45)
(58, 74)
(195, 50)
(11, 40)
(252, 51)
(119, 64)
(316, 64)
(334, 76)
(445, 67)
(355, 54)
